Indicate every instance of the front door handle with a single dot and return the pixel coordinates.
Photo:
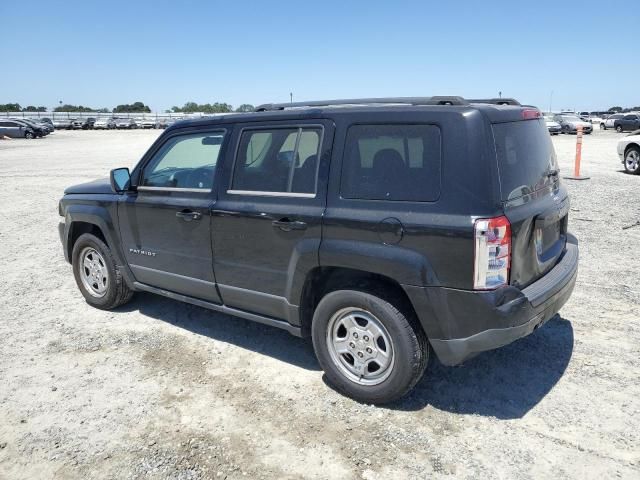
(188, 215)
(287, 225)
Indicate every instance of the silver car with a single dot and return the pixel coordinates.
(9, 128)
(104, 124)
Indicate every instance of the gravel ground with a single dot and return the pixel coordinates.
(160, 389)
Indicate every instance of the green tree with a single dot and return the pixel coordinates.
(10, 107)
(31, 108)
(246, 107)
(615, 109)
(137, 107)
(192, 107)
(72, 108)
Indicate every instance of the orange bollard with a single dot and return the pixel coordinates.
(576, 167)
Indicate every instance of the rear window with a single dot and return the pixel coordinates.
(525, 157)
(392, 162)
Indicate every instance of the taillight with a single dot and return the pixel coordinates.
(529, 113)
(492, 255)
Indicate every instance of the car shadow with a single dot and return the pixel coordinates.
(253, 336)
(504, 383)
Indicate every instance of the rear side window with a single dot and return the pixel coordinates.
(525, 157)
(282, 160)
(392, 162)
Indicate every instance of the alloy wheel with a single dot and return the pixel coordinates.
(93, 272)
(632, 161)
(360, 346)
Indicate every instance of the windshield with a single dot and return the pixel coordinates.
(525, 157)
(571, 118)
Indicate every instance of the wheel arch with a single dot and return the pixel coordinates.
(325, 279)
(630, 146)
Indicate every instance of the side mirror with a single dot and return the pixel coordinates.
(120, 179)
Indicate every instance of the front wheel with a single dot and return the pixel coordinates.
(368, 349)
(619, 129)
(97, 274)
(603, 126)
(28, 135)
(632, 160)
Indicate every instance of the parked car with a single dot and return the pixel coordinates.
(609, 121)
(36, 123)
(77, 124)
(38, 129)
(48, 121)
(166, 122)
(88, 123)
(629, 152)
(14, 129)
(126, 123)
(104, 124)
(569, 124)
(628, 123)
(553, 126)
(383, 233)
(147, 123)
(62, 123)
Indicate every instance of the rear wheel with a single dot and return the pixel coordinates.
(369, 349)
(603, 126)
(632, 160)
(97, 274)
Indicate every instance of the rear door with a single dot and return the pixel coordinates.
(267, 223)
(535, 202)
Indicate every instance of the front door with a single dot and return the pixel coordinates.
(267, 221)
(166, 225)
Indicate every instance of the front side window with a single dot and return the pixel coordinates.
(186, 162)
(281, 160)
(392, 162)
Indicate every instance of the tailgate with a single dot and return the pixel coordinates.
(534, 201)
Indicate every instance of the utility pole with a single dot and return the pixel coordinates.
(291, 97)
(500, 94)
(550, 101)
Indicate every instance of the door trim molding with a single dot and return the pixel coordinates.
(297, 331)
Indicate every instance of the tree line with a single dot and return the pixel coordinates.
(623, 110)
(136, 107)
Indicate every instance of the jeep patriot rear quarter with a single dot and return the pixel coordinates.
(382, 228)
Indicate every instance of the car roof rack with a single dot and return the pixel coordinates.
(495, 101)
(415, 101)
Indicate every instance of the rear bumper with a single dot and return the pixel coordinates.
(461, 323)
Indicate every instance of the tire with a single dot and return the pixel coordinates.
(566, 129)
(115, 290)
(368, 326)
(619, 128)
(603, 126)
(632, 160)
(29, 135)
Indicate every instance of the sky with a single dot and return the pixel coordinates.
(570, 55)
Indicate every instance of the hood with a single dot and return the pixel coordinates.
(102, 185)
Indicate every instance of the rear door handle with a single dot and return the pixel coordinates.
(287, 225)
(188, 215)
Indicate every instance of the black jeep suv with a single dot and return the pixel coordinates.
(382, 228)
